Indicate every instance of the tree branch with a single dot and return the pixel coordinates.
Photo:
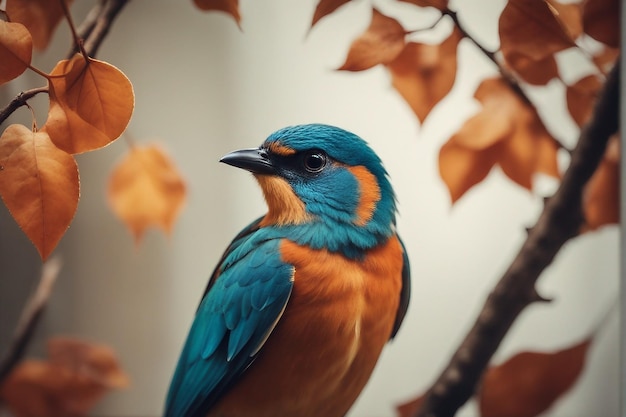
(30, 317)
(561, 220)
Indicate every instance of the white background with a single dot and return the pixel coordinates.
(204, 88)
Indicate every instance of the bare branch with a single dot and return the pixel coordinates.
(561, 220)
(30, 317)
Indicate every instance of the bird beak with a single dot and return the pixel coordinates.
(255, 160)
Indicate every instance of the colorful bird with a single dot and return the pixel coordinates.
(304, 299)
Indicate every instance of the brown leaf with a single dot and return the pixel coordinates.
(98, 362)
(145, 189)
(381, 43)
(570, 16)
(601, 21)
(530, 382)
(41, 17)
(424, 74)
(326, 7)
(601, 194)
(16, 48)
(409, 408)
(581, 96)
(531, 29)
(91, 104)
(38, 184)
(61, 388)
(506, 131)
(461, 168)
(438, 4)
(227, 6)
(532, 71)
(605, 58)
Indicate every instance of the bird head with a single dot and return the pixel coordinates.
(325, 178)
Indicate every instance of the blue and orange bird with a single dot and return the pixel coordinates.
(298, 309)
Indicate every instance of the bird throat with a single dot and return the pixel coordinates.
(284, 206)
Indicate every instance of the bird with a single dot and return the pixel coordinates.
(303, 300)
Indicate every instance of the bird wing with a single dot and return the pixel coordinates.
(405, 293)
(247, 296)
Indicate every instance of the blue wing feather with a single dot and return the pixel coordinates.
(244, 300)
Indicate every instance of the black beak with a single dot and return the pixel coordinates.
(255, 160)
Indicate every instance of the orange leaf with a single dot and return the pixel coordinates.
(601, 21)
(531, 29)
(41, 17)
(570, 16)
(601, 194)
(38, 184)
(530, 382)
(438, 4)
(461, 168)
(326, 7)
(91, 104)
(227, 6)
(63, 388)
(16, 49)
(424, 74)
(506, 131)
(605, 58)
(409, 408)
(145, 189)
(581, 96)
(533, 72)
(381, 43)
(99, 362)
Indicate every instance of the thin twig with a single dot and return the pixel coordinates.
(20, 101)
(30, 317)
(561, 220)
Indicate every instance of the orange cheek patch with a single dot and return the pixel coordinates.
(369, 194)
(284, 207)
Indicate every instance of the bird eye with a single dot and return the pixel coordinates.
(314, 161)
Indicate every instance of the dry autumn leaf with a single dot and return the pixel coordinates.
(326, 7)
(145, 189)
(67, 386)
(41, 17)
(38, 184)
(409, 408)
(506, 131)
(530, 382)
(438, 4)
(227, 6)
(91, 103)
(581, 96)
(605, 58)
(533, 72)
(16, 49)
(601, 21)
(570, 16)
(601, 194)
(424, 74)
(531, 29)
(381, 43)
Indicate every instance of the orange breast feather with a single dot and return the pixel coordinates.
(324, 348)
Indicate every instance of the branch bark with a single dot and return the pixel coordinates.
(30, 317)
(561, 220)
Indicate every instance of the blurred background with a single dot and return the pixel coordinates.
(203, 88)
